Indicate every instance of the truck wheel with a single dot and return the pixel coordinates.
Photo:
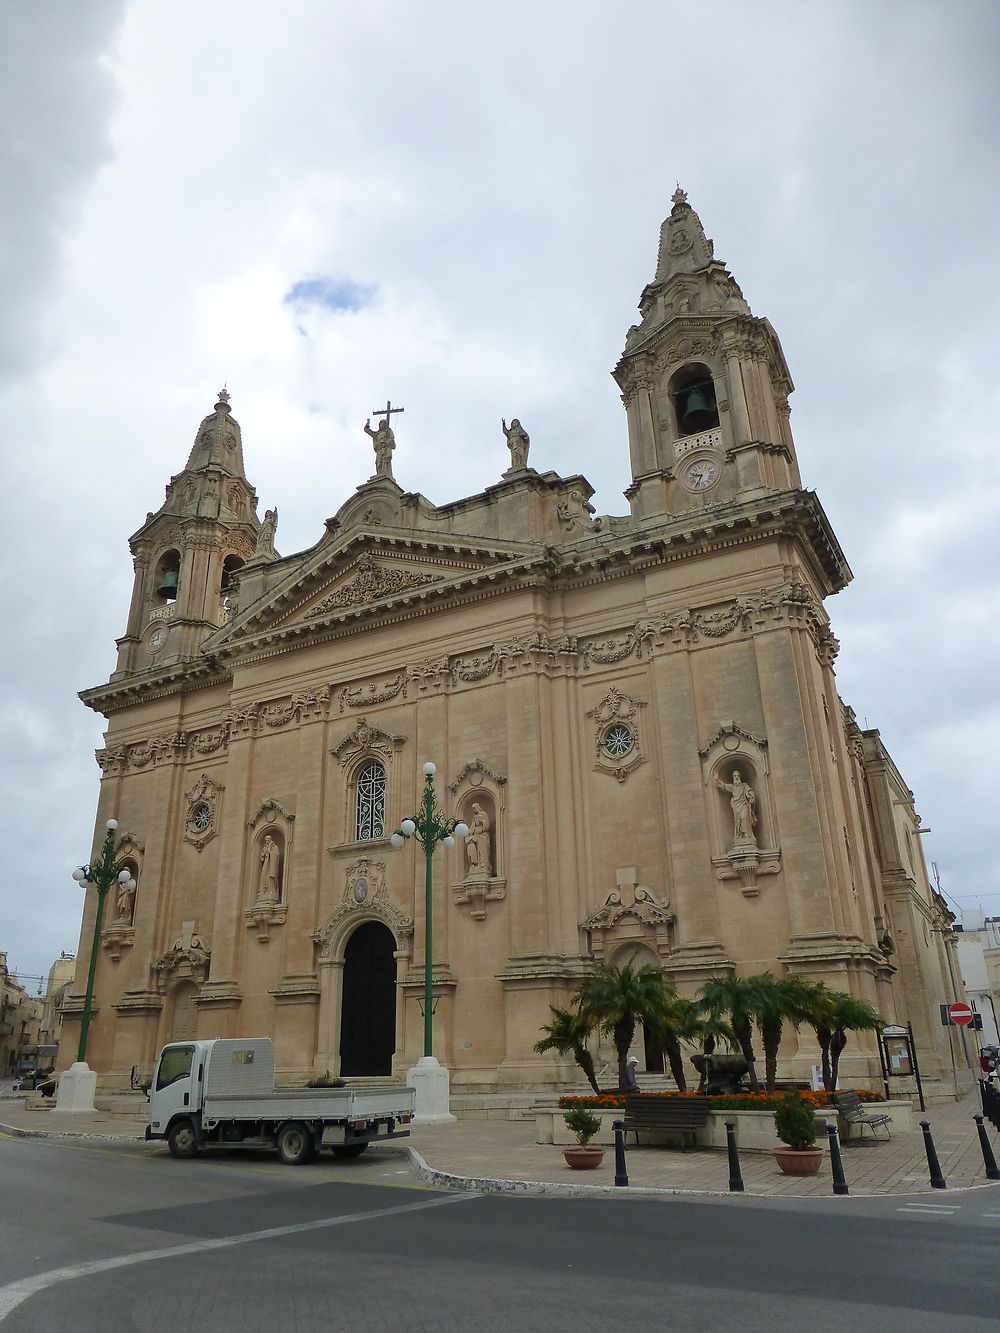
(182, 1140)
(295, 1145)
(349, 1149)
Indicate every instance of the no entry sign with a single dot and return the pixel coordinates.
(960, 1014)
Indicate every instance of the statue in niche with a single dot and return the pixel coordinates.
(269, 882)
(517, 442)
(477, 842)
(265, 537)
(383, 441)
(126, 903)
(742, 801)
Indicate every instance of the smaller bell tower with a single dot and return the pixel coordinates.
(186, 556)
(704, 383)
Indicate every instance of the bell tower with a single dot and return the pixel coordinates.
(704, 383)
(186, 555)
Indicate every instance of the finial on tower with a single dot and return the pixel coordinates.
(223, 398)
(679, 198)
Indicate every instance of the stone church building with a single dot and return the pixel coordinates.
(637, 717)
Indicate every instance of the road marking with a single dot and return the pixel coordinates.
(16, 1293)
(936, 1210)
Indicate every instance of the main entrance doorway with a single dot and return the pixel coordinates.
(368, 1009)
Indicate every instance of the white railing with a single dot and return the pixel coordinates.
(164, 612)
(706, 439)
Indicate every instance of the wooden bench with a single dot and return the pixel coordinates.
(678, 1115)
(851, 1110)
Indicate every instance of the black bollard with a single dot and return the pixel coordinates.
(735, 1175)
(621, 1169)
(938, 1181)
(840, 1185)
(989, 1161)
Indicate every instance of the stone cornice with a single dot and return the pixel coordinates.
(675, 628)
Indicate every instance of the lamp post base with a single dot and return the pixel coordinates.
(432, 1084)
(76, 1090)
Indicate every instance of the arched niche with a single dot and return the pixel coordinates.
(118, 932)
(479, 799)
(740, 803)
(693, 399)
(269, 860)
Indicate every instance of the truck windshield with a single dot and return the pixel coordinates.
(175, 1063)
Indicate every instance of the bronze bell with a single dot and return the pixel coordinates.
(168, 585)
(698, 413)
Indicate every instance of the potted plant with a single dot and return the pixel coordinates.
(584, 1125)
(793, 1123)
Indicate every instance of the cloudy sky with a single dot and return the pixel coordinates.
(457, 205)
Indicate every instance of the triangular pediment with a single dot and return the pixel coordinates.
(365, 578)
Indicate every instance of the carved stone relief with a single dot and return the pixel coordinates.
(366, 897)
(632, 913)
(187, 958)
(201, 823)
(618, 743)
(372, 583)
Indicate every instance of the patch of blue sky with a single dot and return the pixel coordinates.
(322, 292)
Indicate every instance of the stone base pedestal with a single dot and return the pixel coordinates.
(76, 1089)
(432, 1085)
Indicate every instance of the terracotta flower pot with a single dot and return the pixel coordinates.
(583, 1159)
(799, 1161)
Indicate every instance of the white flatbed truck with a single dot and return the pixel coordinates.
(222, 1092)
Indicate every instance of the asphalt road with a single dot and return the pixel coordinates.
(101, 1239)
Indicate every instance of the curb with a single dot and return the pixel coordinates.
(457, 1184)
(20, 1132)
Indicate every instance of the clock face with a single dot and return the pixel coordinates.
(701, 474)
(156, 640)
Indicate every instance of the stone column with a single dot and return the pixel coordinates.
(331, 986)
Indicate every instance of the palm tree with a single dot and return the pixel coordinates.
(789, 998)
(740, 999)
(568, 1034)
(832, 1014)
(680, 1021)
(619, 998)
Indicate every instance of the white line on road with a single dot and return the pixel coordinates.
(15, 1293)
(933, 1209)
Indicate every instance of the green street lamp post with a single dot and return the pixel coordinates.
(430, 827)
(103, 874)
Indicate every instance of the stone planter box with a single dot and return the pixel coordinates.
(754, 1129)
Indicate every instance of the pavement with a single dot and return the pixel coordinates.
(501, 1156)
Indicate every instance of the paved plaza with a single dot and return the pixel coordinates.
(502, 1155)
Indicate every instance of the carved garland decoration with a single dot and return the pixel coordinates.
(791, 603)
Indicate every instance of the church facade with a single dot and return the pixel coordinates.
(637, 717)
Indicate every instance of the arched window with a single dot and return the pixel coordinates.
(370, 822)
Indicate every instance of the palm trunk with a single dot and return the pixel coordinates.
(744, 1036)
(672, 1047)
(824, 1036)
(624, 1031)
(707, 1048)
(837, 1044)
(770, 1032)
(586, 1062)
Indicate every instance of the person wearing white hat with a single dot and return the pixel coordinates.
(631, 1084)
